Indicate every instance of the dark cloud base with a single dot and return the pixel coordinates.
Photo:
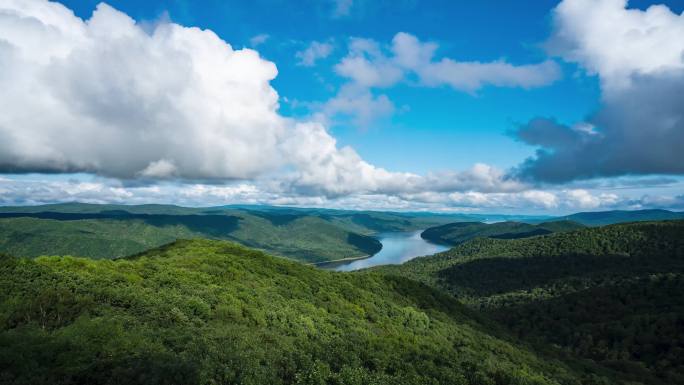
(639, 130)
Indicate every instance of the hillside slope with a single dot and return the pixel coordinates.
(117, 233)
(306, 239)
(459, 232)
(109, 231)
(601, 218)
(610, 295)
(214, 312)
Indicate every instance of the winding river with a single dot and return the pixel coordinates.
(397, 248)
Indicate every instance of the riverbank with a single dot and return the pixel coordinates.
(341, 260)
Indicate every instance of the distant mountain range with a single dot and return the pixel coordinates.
(600, 218)
(459, 232)
(111, 231)
(545, 303)
(303, 234)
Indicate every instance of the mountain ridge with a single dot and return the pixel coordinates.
(203, 311)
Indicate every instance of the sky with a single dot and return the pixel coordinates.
(485, 106)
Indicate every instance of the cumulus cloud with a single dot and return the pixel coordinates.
(413, 55)
(360, 104)
(28, 191)
(107, 97)
(104, 96)
(639, 129)
(481, 177)
(368, 64)
(166, 113)
(315, 51)
(611, 40)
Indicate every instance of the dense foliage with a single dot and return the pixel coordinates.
(459, 232)
(108, 231)
(213, 312)
(307, 239)
(600, 218)
(611, 295)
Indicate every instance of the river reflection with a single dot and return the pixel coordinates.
(397, 248)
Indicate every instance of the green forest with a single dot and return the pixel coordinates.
(111, 231)
(166, 295)
(608, 295)
(214, 312)
(459, 232)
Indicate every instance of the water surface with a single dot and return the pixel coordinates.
(397, 247)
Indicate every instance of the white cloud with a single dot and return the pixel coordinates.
(639, 127)
(583, 199)
(315, 51)
(360, 104)
(608, 39)
(481, 177)
(325, 169)
(532, 199)
(104, 96)
(109, 98)
(259, 39)
(159, 169)
(411, 54)
(102, 190)
(367, 64)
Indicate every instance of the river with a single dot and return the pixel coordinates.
(397, 248)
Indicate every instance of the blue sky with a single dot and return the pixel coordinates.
(423, 129)
(442, 128)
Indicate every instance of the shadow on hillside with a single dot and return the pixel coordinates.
(500, 275)
(277, 219)
(212, 225)
(526, 234)
(368, 245)
(377, 224)
(632, 326)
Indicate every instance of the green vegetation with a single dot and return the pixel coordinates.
(459, 232)
(518, 304)
(601, 218)
(308, 239)
(611, 295)
(110, 231)
(214, 312)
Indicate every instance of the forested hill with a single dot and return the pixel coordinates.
(303, 234)
(109, 231)
(214, 312)
(611, 294)
(459, 232)
(600, 218)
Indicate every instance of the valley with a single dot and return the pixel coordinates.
(341, 192)
(162, 294)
